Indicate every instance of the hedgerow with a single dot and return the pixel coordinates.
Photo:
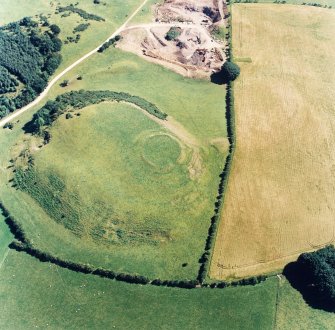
(205, 259)
(23, 244)
(82, 13)
(109, 43)
(81, 99)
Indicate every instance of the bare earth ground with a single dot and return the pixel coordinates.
(280, 197)
(195, 53)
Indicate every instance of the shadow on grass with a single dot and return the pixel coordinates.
(29, 127)
(301, 282)
(219, 78)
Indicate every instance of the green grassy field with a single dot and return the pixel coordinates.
(111, 155)
(57, 298)
(35, 294)
(146, 13)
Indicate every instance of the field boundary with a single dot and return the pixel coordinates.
(206, 258)
(284, 2)
(23, 244)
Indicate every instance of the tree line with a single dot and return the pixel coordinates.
(110, 42)
(224, 176)
(23, 244)
(82, 13)
(81, 99)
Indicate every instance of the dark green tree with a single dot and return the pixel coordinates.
(55, 29)
(230, 71)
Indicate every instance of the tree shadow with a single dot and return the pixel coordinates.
(300, 280)
(29, 127)
(219, 78)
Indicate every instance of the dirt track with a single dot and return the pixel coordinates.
(69, 68)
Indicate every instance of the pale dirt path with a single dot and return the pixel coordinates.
(174, 127)
(69, 68)
(209, 43)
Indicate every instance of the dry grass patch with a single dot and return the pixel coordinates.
(280, 196)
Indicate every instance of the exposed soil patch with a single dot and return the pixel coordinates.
(181, 37)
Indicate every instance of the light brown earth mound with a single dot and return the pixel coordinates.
(280, 196)
(193, 11)
(193, 52)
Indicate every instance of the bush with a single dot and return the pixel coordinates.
(81, 27)
(55, 29)
(64, 83)
(9, 125)
(173, 33)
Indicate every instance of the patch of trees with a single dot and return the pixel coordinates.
(173, 33)
(82, 13)
(8, 83)
(81, 27)
(81, 99)
(313, 274)
(109, 43)
(229, 72)
(28, 56)
(72, 39)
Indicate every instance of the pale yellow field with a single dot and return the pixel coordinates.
(280, 199)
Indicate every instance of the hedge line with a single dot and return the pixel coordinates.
(224, 176)
(23, 244)
(82, 13)
(15, 227)
(110, 42)
(80, 99)
(89, 269)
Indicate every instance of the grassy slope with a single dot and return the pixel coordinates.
(202, 115)
(58, 298)
(116, 184)
(280, 196)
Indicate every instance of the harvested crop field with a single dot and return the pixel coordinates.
(280, 196)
